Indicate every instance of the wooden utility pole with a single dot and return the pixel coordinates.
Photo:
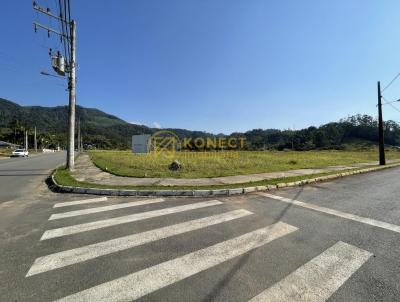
(71, 88)
(382, 160)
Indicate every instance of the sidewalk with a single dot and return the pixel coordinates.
(86, 171)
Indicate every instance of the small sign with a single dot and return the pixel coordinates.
(141, 143)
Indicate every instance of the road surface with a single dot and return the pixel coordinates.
(336, 241)
(20, 176)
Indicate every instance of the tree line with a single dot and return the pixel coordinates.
(358, 131)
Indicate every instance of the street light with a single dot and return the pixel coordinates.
(45, 73)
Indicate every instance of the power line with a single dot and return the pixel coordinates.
(69, 12)
(67, 34)
(391, 82)
(391, 104)
(63, 25)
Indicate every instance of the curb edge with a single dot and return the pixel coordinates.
(212, 192)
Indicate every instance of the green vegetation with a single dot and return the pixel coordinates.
(63, 177)
(210, 164)
(104, 131)
(100, 130)
(5, 152)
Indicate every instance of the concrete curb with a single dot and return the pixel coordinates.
(208, 193)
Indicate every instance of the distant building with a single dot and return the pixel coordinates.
(7, 145)
(141, 143)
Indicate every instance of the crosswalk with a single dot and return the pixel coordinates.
(314, 281)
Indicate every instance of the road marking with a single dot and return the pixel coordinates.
(74, 229)
(73, 256)
(319, 278)
(369, 221)
(105, 208)
(78, 202)
(141, 283)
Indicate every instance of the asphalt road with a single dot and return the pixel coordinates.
(20, 176)
(336, 241)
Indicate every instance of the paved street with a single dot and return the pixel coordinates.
(336, 241)
(20, 176)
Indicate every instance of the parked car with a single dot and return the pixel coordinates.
(20, 153)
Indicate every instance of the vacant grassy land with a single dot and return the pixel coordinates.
(209, 164)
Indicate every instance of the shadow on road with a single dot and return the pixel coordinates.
(243, 260)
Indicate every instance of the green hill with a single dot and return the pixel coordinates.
(105, 131)
(98, 127)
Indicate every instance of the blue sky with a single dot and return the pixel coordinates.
(214, 65)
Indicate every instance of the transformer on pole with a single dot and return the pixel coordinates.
(64, 64)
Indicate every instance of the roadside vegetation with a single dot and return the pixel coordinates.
(211, 164)
(63, 177)
(5, 152)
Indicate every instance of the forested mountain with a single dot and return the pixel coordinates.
(99, 129)
(102, 130)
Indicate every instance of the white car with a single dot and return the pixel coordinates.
(20, 153)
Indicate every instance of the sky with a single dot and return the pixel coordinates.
(212, 65)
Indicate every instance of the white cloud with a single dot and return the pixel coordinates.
(138, 123)
(157, 125)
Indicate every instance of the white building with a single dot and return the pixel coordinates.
(141, 143)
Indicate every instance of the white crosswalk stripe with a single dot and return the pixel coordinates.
(319, 278)
(365, 220)
(314, 281)
(79, 202)
(141, 283)
(84, 227)
(77, 255)
(105, 208)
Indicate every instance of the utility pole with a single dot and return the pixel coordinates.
(382, 160)
(26, 140)
(64, 64)
(35, 141)
(79, 135)
(72, 95)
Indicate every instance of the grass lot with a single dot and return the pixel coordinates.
(124, 163)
